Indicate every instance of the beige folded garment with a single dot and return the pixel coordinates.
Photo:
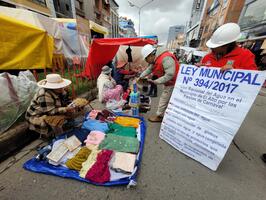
(123, 162)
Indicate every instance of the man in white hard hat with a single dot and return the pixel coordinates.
(225, 52)
(165, 66)
(48, 104)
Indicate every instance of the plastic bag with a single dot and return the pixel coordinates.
(114, 105)
(16, 95)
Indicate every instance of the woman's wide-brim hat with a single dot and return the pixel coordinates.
(54, 81)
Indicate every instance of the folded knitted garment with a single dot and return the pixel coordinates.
(76, 162)
(117, 129)
(93, 114)
(88, 163)
(128, 121)
(95, 125)
(123, 162)
(120, 143)
(99, 172)
(95, 137)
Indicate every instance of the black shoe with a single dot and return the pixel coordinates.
(263, 157)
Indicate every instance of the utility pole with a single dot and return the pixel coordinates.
(139, 7)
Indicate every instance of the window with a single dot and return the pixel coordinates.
(206, 28)
(67, 7)
(106, 4)
(198, 4)
(254, 13)
(41, 2)
(225, 3)
(79, 5)
(214, 7)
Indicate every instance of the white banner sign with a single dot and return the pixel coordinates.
(206, 110)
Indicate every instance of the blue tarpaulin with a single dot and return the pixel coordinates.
(46, 168)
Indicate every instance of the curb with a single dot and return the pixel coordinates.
(15, 138)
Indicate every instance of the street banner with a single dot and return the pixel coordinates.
(206, 109)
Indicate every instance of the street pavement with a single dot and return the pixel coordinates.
(165, 173)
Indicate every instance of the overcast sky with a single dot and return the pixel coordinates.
(158, 16)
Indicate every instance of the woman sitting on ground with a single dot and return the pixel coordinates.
(48, 107)
(107, 88)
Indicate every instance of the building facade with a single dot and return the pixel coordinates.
(64, 8)
(253, 19)
(194, 26)
(177, 42)
(114, 32)
(217, 13)
(99, 13)
(126, 28)
(174, 33)
(39, 6)
(103, 14)
(79, 7)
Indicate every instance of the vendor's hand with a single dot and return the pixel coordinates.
(139, 78)
(226, 68)
(150, 76)
(71, 109)
(151, 81)
(198, 64)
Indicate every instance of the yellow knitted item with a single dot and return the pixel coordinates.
(76, 162)
(127, 121)
(88, 163)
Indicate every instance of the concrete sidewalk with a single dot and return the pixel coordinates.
(165, 173)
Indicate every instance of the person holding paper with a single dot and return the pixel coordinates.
(48, 107)
(225, 53)
(165, 66)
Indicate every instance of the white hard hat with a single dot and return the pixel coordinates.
(147, 50)
(225, 34)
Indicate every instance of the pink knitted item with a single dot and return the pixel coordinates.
(95, 137)
(115, 93)
(93, 114)
(99, 172)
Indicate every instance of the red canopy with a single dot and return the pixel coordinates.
(104, 50)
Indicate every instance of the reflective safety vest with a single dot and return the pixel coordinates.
(158, 69)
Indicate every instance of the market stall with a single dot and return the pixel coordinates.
(25, 46)
(105, 151)
(110, 46)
